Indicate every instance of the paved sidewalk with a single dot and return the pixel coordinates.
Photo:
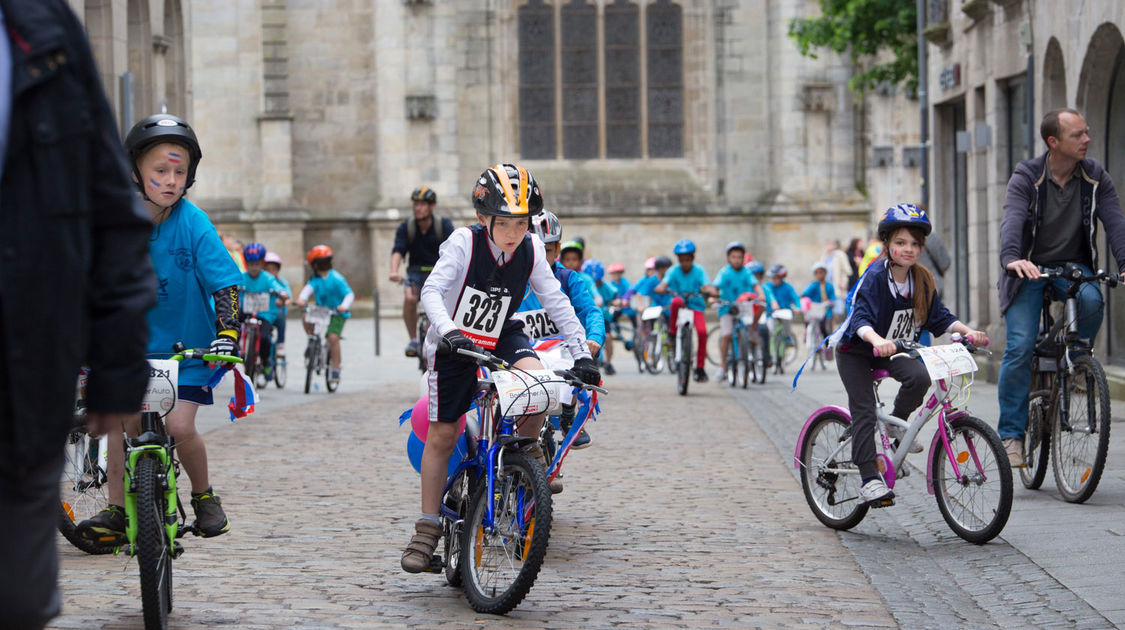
(1055, 562)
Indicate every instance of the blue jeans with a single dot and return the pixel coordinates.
(1022, 323)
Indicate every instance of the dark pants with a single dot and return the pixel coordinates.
(855, 371)
(29, 509)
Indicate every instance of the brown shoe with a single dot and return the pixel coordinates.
(536, 452)
(416, 557)
(1014, 449)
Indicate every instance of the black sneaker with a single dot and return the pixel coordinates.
(210, 520)
(107, 526)
(610, 370)
(700, 375)
(582, 441)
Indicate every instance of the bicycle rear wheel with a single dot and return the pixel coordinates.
(499, 563)
(83, 488)
(829, 478)
(975, 505)
(280, 372)
(1036, 442)
(743, 355)
(250, 359)
(712, 349)
(328, 382)
(457, 499)
(1079, 445)
(153, 549)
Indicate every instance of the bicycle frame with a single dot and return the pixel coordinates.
(943, 408)
(150, 443)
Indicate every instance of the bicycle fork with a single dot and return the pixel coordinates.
(167, 480)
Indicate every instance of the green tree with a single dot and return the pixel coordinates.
(864, 30)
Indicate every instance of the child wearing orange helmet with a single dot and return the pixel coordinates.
(331, 290)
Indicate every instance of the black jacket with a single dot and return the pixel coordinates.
(75, 275)
(1023, 218)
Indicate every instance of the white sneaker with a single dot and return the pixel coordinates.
(721, 375)
(876, 493)
(898, 433)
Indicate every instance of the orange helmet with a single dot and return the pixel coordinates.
(320, 251)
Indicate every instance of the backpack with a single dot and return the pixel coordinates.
(412, 229)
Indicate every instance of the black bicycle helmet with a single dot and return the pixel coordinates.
(163, 128)
(424, 193)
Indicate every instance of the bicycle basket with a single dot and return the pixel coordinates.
(526, 392)
(318, 316)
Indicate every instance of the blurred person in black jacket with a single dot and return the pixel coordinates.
(75, 284)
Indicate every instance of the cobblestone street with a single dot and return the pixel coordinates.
(684, 513)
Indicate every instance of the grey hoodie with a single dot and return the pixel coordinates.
(1023, 218)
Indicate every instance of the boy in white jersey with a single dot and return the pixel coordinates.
(476, 286)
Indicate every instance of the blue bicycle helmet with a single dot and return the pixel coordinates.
(756, 267)
(254, 252)
(594, 268)
(683, 246)
(735, 245)
(903, 215)
(779, 271)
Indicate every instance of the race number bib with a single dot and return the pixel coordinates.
(652, 313)
(255, 303)
(537, 324)
(160, 394)
(481, 316)
(947, 361)
(902, 326)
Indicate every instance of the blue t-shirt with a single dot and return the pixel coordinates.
(284, 287)
(575, 288)
(264, 283)
(622, 287)
(330, 290)
(813, 293)
(191, 264)
(732, 284)
(690, 282)
(645, 287)
(784, 294)
(608, 291)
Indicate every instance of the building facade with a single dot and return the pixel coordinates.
(644, 121)
(995, 68)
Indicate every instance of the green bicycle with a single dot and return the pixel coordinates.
(154, 515)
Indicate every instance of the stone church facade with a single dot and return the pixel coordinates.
(644, 121)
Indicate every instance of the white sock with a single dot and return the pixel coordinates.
(434, 518)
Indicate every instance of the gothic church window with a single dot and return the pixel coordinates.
(600, 79)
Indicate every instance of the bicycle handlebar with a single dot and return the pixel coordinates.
(909, 349)
(1074, 274)
(571, 379)
(182, 352)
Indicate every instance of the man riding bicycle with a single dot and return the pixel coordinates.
(419, 237)
(1049, 220)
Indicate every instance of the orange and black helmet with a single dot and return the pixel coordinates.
(507, 190)
(320, 251)
(424, 193)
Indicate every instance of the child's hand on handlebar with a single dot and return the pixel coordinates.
(594, 347)
(978, 338)
(341, 309)
(884, 348)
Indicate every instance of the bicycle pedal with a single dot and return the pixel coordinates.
(882, 503)
(177, 549)
(437, 565)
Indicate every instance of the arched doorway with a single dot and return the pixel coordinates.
(1101, 98)
(1054, 77)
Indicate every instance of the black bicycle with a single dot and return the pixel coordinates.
(1068, 408)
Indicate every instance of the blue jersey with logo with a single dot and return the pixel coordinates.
(191, 264)
(732, 284)
(264, 283)
(575, 288)
(784, 294)
(330, 290)
(690, 282)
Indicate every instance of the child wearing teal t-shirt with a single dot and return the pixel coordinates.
(331, 290)
(197, 304)
(688, 282)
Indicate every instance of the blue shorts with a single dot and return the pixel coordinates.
(196, 394)
(416, 279)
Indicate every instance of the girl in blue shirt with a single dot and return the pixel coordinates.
(894, 300)
(818, 291)
(197, 303)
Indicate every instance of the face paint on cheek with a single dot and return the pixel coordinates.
(155, 184)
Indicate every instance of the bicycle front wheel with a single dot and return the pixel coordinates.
(328, 382)
(500, 561)
(250, 359)
(153, 549)
(829, 478)
(280, 373)
(977, 503)
(1036, 442)
(683, 367)
(312, 353)
(1079, 444)
(83, 488)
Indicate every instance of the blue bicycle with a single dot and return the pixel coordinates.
(742, 366)
(496, 506)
